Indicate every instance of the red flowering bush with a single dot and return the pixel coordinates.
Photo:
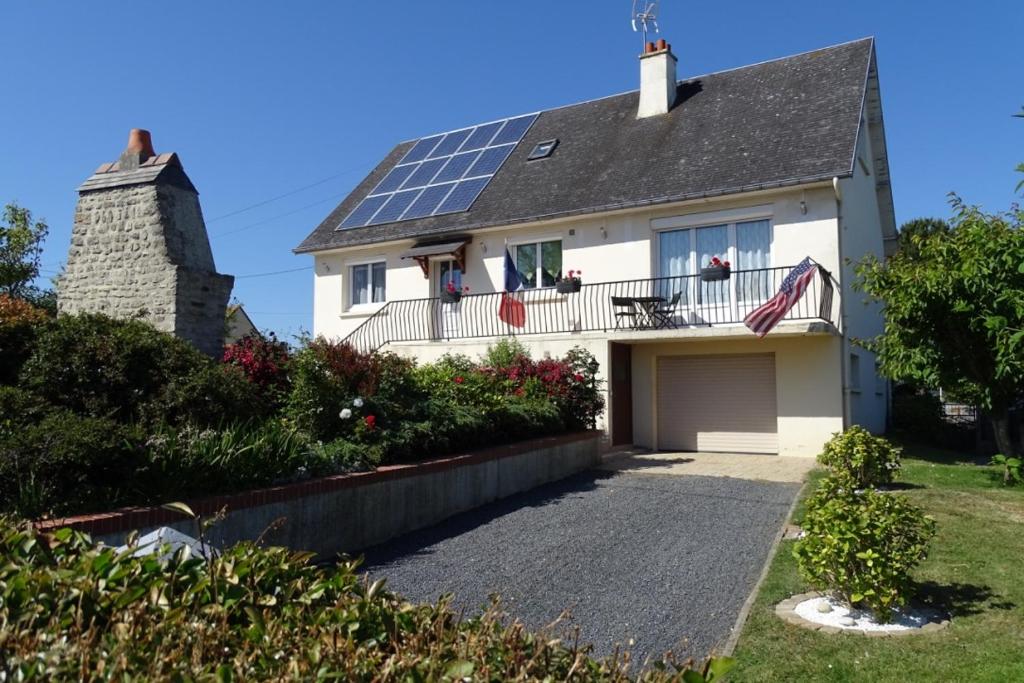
(264, 360)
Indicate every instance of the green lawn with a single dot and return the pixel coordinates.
(975, 568)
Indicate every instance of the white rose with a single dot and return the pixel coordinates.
(358, 402)
(345, 414)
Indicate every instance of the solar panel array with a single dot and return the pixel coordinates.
(441, 174)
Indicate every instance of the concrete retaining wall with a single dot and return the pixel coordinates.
(346, 513)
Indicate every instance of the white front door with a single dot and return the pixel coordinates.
(448, 273)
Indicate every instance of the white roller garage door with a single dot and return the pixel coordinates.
(717, 403)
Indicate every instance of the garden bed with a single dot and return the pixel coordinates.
(347, 512)
(972, 573)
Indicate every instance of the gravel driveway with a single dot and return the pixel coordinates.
(663, 561)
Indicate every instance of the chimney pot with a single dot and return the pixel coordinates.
(649, 47)
(140, 142)
(662, 45)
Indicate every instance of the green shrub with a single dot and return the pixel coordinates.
(863, 459)
(193, 461)
(104, 367)
(19, 324)
(76, 611)
(862, 545)
(66, 462)
(329, 377)
(504, 353)
(211, 395)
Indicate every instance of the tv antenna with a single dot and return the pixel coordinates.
(645, 17)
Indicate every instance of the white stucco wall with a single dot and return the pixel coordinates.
(607, 248)
(861, 234)
(807, 383)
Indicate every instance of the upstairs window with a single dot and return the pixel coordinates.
(542, 150)
(368, 283)
(539, 263)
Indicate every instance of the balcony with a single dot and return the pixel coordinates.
(652, 307)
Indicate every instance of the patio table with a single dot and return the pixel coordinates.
(646, 307)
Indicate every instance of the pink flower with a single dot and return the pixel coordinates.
(459, 380)
(578, 377)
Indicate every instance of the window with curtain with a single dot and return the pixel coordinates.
(746, 244)
(368, 283)
(539, 263)
(753, 247)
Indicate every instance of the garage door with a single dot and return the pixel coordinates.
(717, 403)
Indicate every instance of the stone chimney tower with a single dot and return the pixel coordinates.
(139, 244)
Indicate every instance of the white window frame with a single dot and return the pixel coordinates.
(694, 222)
(537, 242)
(350, 280)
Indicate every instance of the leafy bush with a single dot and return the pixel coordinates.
(76, 611)
(100, 366)
(862, 545)
(66, 462)
(211, 395)
(1011, 473)
(193, 461)
(918, 415)
(861, 458)
(264, 360)
(330, 377)
(504, 353)
(19, 321)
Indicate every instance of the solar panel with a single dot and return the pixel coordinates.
(441, 174)
(463, 196)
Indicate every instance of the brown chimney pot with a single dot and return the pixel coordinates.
(140, 142)
(649, 47)
(662, 45)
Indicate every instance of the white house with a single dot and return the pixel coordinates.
(761, 166)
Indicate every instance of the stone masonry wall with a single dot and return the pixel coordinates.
(144, 248)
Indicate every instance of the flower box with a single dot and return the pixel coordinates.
(715, 273)
(568, 286)
(451, 297)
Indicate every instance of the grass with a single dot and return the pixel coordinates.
(975, 570)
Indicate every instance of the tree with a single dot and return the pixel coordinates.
(954, 312)
(1020, 167)
(911, 231)
(20, 251)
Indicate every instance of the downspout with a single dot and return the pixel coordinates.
(844, 351)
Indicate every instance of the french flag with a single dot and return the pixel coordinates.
(512, 310)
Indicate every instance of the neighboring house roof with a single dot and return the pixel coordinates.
(238, 324)
(779, 123)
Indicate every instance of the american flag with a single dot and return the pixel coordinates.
(763, 318)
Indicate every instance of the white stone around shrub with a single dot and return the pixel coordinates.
(840, 615)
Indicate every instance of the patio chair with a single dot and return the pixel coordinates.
(664, 316)
(624, 309)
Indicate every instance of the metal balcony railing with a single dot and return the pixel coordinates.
(663, 303)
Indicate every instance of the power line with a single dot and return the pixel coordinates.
(286, 194)
(276, 272)
(279, 216)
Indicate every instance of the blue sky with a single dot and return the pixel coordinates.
(260, 99)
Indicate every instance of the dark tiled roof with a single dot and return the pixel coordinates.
(163, 167)
(784, 122)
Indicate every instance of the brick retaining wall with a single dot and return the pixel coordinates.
(348, 512)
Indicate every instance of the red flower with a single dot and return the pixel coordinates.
(370, 421)
(578, 377)
(459, 380)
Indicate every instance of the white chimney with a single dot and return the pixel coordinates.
(657, 79)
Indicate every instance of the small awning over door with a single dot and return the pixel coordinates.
(717, 403)
(423, 253)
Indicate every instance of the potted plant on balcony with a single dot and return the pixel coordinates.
(452, 294)
(571, 284)
(716, 270)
